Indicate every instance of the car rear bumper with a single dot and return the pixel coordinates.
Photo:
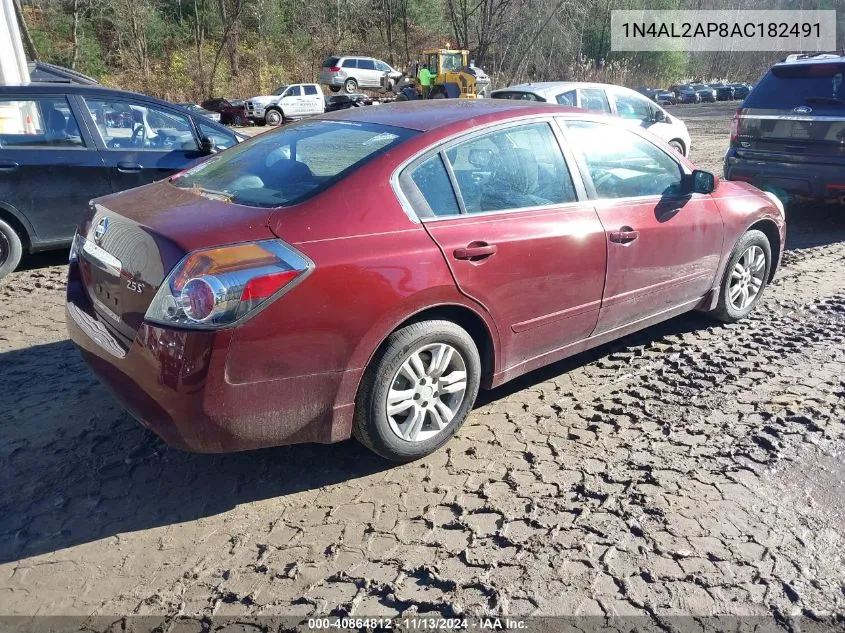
(175, 383)
(810, 180)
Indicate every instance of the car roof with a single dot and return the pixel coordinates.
(426, 115)
(545, 87)
(47, 88)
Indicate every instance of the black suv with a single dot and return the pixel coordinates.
(62, 144)
(788, 136)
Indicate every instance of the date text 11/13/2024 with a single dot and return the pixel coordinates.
(418, 623)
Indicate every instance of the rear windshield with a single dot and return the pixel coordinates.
(285, 167)
(788, 86)
(330, 62)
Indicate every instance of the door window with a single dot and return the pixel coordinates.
(429, 190)
(220, 139)
(293, 91)
(633, 107)
(366, 64)
(126, 125)
(310, 90)
(513, 168)
(566, 98)
(595, 100)
(348, 63)
(34, 123)
(622, 164)
(383, 67)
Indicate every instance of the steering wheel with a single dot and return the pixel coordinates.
(139, 136)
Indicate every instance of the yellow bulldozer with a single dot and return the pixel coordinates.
(454, 76)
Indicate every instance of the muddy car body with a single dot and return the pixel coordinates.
(444, 260)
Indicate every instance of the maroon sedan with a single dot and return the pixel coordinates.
(366, 272)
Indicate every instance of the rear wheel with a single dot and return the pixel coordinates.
(274, 117)
(350, 85)
(417, 391)
(745, 277)
(11, 249)
(334, 88)
(237, 120)
(438, 95)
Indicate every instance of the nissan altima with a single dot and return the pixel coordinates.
(364, 273)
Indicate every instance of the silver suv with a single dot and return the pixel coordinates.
(352, 73)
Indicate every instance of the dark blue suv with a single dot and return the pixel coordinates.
(788, 136)
(62, 144)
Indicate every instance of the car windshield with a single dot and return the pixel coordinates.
(791, 85)
(280, 90)
(698, 86)
(288, 166)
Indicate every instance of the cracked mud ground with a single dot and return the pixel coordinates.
(692, 468)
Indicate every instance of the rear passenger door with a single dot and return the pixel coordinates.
(518, 237)
(49, 165)
(367, 74)
(313, 100)
(140, 142)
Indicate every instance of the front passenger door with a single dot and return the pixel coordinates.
(141, 142)
(663, 246)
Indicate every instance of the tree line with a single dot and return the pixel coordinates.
(194, 49)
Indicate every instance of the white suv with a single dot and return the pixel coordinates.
(288, 102)
(352, 73)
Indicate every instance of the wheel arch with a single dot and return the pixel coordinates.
(768, 228)
(14, 219)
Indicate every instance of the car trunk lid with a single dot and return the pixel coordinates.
(131, 241)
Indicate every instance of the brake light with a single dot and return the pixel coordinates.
(335, 69)
(735, 125)
(216, 287)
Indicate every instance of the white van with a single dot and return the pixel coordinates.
(292, 101)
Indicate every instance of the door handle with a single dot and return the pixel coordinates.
(128, 168)
(9, 166)
(475, 251)
(625, 235)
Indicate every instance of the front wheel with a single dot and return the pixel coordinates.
(11, 249)
(417, 391)
(677, 146)
(745, 277)
(274, 117)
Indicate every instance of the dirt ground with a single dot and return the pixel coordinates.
(693, 468)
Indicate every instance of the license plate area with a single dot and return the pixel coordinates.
(104, 281)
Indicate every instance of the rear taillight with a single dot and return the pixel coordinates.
(216, 287)
(735, 125)
(335, 69)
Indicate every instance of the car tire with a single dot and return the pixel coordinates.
(678, 146)
(274, 117)
(334, 88)
(407, 362)
(11, 249)
(350, 85)
(237, 120)
(438, 95)
(748, 268)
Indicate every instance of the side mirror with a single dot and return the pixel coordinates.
(701, 181)
(207, 146)
(659, 116)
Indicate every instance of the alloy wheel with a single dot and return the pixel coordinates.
(747, 278)
(5, 248)
(426, 392)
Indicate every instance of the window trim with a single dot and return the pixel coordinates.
(444, 144)
(89, 143)
(585, 172)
